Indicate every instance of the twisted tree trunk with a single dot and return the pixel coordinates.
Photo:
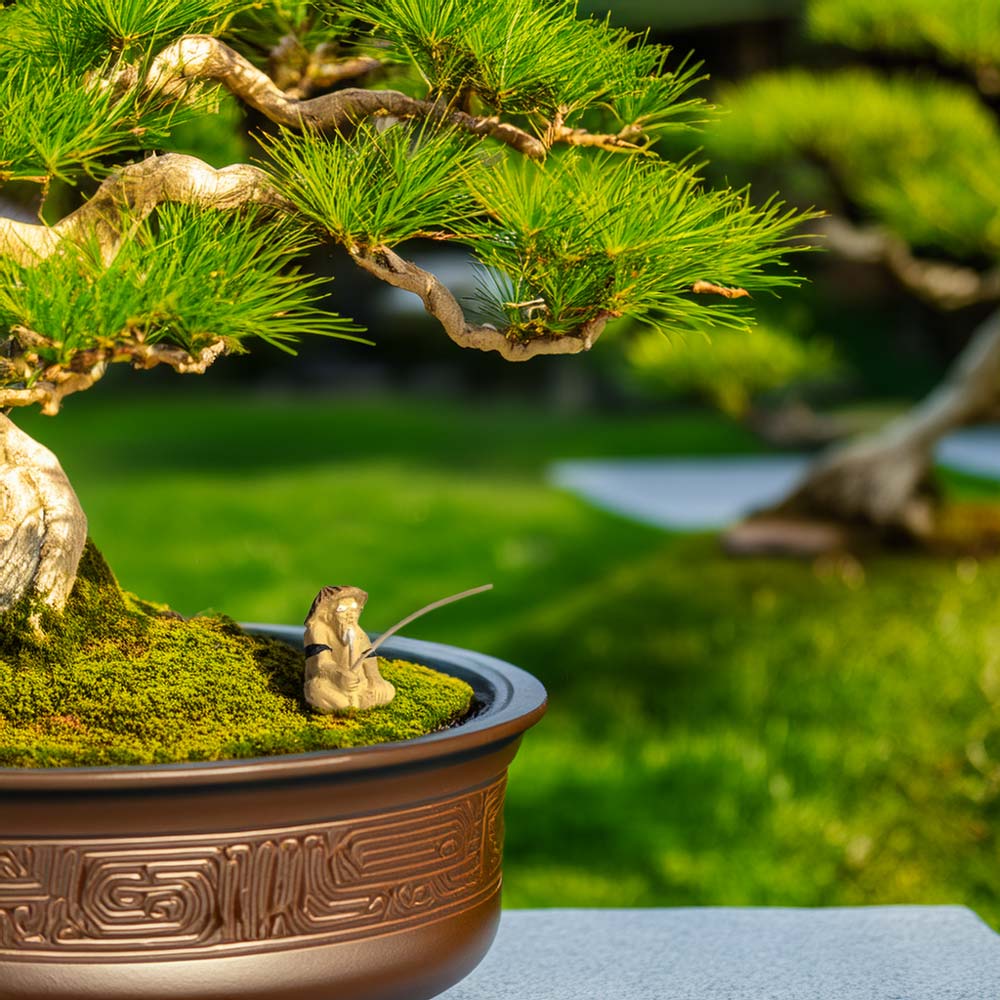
(42, 527)
(881, 479)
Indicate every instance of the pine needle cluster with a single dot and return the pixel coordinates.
(380, 186)
(83, 33)
(186, 277)
(628, 236)
(537, 59)
(59, 117)
(51, 131)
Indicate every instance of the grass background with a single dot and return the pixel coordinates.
(720, 732)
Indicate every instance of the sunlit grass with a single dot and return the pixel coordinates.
(765, 732)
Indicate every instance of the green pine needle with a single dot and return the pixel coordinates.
(186, 277)
(80, 34)
(59, 118)
(378, 188)
(534, 57)
(54, 128)
(591, 234)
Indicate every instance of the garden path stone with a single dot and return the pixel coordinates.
(700, 494)
(975, 450)
(687, 494)
(863, 953)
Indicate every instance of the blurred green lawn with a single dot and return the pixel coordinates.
(754, 732)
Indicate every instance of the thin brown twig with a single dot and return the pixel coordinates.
(620, 142)
(710, 288)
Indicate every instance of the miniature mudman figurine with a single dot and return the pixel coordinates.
(337, 678)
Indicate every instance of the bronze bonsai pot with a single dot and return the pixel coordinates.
(368, 874)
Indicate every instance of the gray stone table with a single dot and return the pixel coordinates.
(863, 953)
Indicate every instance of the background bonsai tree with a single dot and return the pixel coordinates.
(907, 157)
(515, 129)
(730, 369)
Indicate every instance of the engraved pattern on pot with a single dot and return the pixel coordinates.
(340, 881)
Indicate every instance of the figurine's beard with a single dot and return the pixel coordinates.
(349, 636)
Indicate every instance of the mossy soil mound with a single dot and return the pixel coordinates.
(112, 680)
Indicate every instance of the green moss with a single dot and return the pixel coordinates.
(113, 680)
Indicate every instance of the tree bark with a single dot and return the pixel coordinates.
(881, 479)
(43, 529)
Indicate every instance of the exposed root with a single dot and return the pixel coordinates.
(883, 480)
(42, 527)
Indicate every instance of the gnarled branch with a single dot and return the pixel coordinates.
(944, 285)
(138, 189)
(389, 267)
(202, 57)
(56, 382)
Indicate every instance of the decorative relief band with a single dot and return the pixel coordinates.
(344, 880)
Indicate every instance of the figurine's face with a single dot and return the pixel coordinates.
(348, 611)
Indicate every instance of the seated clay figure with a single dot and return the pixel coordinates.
(336, 679)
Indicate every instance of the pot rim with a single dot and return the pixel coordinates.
(511, 700)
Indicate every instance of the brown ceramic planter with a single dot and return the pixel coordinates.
(370, 874)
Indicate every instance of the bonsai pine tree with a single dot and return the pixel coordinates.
(515, 129)
(908, 162)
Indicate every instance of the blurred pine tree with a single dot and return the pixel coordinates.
(907, 160)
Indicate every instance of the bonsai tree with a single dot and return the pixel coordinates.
(909, 165)
(375, 123)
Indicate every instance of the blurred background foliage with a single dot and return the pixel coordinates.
(923, 156)
(721, 732)
(728, 368)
